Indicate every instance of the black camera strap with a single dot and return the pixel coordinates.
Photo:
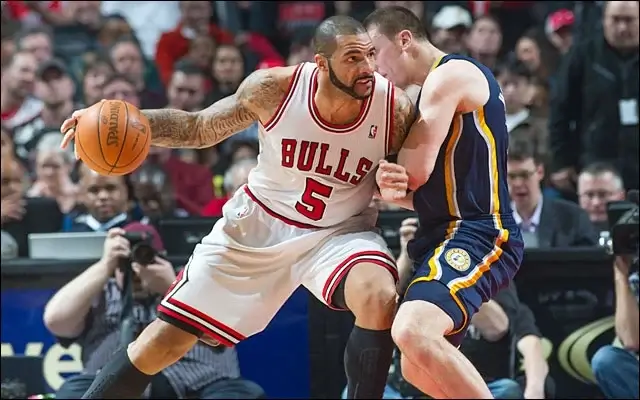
(128, 325)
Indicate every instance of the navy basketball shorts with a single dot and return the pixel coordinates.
(466, 269)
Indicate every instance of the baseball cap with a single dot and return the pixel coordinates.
(53, 65)
(452, 16)
(149, 231)
(559, 19)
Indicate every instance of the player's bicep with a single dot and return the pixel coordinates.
(404, 115)
(240, 110)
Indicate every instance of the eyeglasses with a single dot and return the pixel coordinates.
(525, 175)
(596, 194)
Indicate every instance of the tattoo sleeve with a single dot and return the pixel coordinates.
(404, 115)
(182, 129)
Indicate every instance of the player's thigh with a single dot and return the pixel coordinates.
(235, 281)
(458, 276)
(329, 264)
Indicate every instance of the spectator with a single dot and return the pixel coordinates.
(242, 148)
(559, 29)
(7, 145)
(55, 88)
(535, 51)
(53, 169)
(186, 88)
(127, 60)
(484, 40)
(95, 72)
(194, 21)
(545, 222)
(450, 29)
(594, 111)
(301, 48)
(192, 182)
(155, 194)
(11, 191)
(598, 184)
(514, 79)
(113, 27)
(201, 51)
(147, 18)
(227, 71)
(77, 33)
(37, 41)
(7, 43)
(120, 87)
(9, 246)
(236, 176)
(90, 310)
(105, 200)
(17, 104)
(616, 369)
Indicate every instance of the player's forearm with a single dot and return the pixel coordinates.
(174, 128)
(405, 271)
(491, 321)
(626, 315)
(65, 313)
(536, 368)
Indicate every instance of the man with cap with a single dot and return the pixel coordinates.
(55, 88)
(450, 26)
(89, 311)
(559, 29)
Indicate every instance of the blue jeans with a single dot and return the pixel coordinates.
(505, 389)
(616, 371)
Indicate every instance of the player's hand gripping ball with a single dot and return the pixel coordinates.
(111, 137)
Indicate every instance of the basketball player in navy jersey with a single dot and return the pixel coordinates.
(468, 246)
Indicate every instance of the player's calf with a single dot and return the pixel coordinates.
(430, 362)
(130, 371)
(369, 292)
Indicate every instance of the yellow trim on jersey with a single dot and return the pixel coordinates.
(478, 271)
(437, 62)
(450, 186)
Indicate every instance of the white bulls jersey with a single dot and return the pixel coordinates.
(314, 172)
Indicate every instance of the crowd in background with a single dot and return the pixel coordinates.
(568, 71)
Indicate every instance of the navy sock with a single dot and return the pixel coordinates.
(367, 358)
(118, 379)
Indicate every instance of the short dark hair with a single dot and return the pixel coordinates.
(599, 168)
(115, 77)
(392, 20)
(187, 67)
(29, 31)
(324, 38)
(522, 148)
(511, 65)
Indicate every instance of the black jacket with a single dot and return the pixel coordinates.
(584, 116)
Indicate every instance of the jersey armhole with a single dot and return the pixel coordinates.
(273, 121)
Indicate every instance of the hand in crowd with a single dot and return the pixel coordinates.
(622, 265)
(534, 391)
(12, 208)
(116, 247)
(157, 276)
(392, 179)
(408, 230)
(564, 179)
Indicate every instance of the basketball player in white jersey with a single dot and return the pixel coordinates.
(303, 219)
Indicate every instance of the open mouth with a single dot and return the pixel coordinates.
(364, 81)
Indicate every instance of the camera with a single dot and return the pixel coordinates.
(142, 252)
(623, 227)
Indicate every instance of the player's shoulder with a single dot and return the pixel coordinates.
(280, 77)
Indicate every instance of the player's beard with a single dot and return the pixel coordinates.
(350, 90)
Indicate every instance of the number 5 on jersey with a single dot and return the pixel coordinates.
(312, 203)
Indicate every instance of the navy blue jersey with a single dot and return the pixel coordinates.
(469, 179)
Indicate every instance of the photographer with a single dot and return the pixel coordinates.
(89, 310)
(616, 369)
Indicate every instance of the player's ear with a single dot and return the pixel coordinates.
(321, 62)
(405, 38)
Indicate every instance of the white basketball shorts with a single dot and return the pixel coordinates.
(253, 260)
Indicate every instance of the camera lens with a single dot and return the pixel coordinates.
(143, 254)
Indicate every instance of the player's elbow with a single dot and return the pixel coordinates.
(417, 178)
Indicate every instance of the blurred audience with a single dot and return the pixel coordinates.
(598, 184)
(187, 86)
(485, 40)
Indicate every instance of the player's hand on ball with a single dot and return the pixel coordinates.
(392, 179)
(68, 128)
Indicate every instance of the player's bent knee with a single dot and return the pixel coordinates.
(419, 321)
(371, 295)
(159, 345)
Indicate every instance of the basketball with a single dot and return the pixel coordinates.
(112, 137)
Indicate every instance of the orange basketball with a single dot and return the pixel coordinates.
(112, 137)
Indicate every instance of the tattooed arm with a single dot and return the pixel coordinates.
(404, 115)
(256, 99)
